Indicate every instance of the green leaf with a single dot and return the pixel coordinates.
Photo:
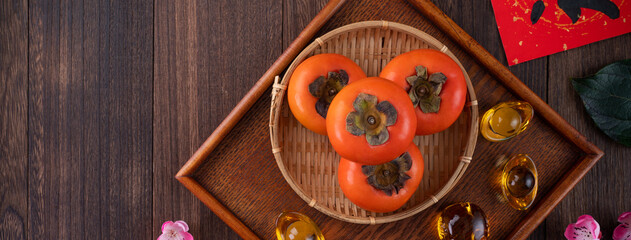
(607, 99)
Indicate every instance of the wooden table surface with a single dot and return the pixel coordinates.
(101, 103)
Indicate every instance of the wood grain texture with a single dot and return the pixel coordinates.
(13, 119)
(258, 89)
(605, 191)
(89, 147)
(296, 15)
(101, 102)
(558, 93)
(478, 20)
(208, 54)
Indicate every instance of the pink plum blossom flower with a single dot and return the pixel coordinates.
(623, 231)
(175, 231)
(586, 228)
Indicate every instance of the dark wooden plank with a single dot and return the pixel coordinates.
(13, 119)
(90, 78)
(605, 191)
(208, 54)
(296, 15)
(478, 19)
(91, 101)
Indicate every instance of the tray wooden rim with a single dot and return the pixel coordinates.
(279, 90)
(464, 40)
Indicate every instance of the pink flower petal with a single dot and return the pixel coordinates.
(174, 227)
(623, 231)
(187, 236)
(176, 236)
(586, 228)
(165, 224)
(172, 236)
(625, 218)
(182, 225)
(175, 231)
(165, 237)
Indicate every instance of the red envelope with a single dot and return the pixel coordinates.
(559, 25)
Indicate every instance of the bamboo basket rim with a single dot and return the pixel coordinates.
(278, 92)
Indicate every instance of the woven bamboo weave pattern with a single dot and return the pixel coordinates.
(308, 161)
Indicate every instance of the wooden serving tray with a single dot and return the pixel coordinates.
(234, 172)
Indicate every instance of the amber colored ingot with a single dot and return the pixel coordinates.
(297, 226)
(519, 182)
(506, 120)
(462, 221)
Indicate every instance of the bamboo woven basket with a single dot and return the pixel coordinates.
(308, 161)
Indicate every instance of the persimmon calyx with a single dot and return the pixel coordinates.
(371, 118)
(424, 91)
(325, 89)
(389, 177)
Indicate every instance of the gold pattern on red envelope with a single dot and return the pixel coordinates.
(535, 28)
